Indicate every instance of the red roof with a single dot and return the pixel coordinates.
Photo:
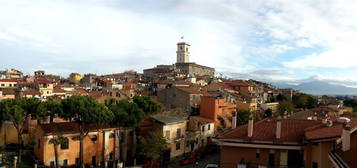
(31, 92)
(96, 95)
(42, 81)
(201, 119)
(9, 80)
(58, 90)
(68, 127)
(323, 132)
(238, 83)
(192, 91)
(264, 130)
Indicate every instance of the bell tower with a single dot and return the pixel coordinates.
(183, 52)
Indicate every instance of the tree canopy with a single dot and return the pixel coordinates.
(85, 110)
(153, 145)
(243, 117)
(303, 100)
(132, 113)
(284, 106)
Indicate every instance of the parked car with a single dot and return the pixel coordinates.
(211, 166)
(193, 157)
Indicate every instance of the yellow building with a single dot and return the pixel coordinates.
(250, 105)
(75, 78)
(173, 129)
(8, 83)
(272, 106)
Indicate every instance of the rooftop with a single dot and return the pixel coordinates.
(264, 130)
(165, 119)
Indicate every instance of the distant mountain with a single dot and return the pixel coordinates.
(319, 87)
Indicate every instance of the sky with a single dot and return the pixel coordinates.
(263, 39)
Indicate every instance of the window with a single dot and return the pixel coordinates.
(111, 156)
(94, 160)
(178, 132)
(178, 146)
(167, 134)
(52, 164)
(315, 165)
(202, 142)
(209, 127)
(64, 144)
(121, 137)
(2, 84)
(65, 162)
(257, 154)
(10, 85)
(77, 161)
(203, 128)
(187, 143)
(39, 144)
(94, 138)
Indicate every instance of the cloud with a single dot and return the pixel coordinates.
(7, 37)
(301, 38)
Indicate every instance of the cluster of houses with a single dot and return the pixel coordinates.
(200, 109)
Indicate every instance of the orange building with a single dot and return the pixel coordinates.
(218, 110)
(99, 144)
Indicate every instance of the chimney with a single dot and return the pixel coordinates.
(278, 128)
(234, 120)
(346, 137)
(250, 127)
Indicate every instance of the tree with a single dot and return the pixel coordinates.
(284, 106)
(303, 100)
(148, 105)
(49, 108)
(153, 146)
(130, 114)
(58, 139)
(85, 111)
(243, 117)
(18, 111)
(281, 97)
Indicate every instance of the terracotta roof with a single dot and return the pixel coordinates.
(323, 110)
(81, 90)
(225, 86)
(191, 90)
(201, 119)
(323, 132)
(96, 95)
(9, 80)
(58, 90)
(67, 127)
(165, 119)
(264, 130)
(31, 92)
(238, 83)
(42, 81)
